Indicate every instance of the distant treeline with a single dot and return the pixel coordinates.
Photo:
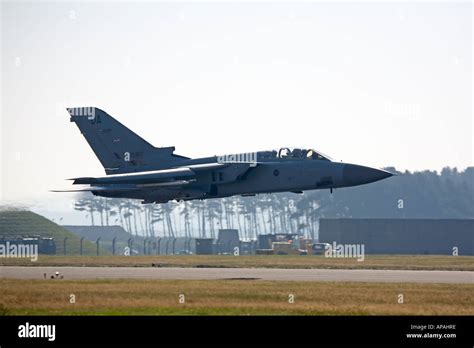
(426, 194)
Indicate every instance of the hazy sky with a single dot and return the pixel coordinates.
(378, 84)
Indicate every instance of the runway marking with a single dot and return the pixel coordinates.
(177, 273)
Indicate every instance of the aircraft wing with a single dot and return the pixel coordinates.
(181, 175)
(125, 187)
(174, 177)
(109, 188)
(150, 177)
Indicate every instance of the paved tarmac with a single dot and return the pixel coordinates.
(337, 275)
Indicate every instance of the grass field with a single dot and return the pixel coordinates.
(410, 262)
(232, 297)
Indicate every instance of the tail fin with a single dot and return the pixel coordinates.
(118, 148)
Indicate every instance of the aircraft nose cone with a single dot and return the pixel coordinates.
(357, 175)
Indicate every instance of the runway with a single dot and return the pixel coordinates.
(175, 273)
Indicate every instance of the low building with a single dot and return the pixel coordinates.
(402, 236)
(227, 241)
(204, 246)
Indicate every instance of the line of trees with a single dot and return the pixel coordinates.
(427, 194)
(250, 215)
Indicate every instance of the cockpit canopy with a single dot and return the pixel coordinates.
(297, 153)
(292, 153)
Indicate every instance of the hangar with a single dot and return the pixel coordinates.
(402, 236)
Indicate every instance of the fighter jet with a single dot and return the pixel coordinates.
(136, 169)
